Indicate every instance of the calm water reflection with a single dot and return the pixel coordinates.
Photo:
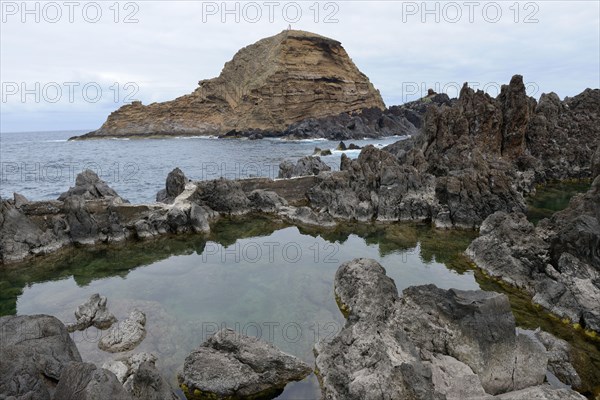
(257, 277)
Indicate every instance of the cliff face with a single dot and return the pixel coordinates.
(267, 86)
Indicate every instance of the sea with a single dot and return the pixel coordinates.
(42, 165)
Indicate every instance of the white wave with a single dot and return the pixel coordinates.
(347, 152)
(299, 140)
(196, 137)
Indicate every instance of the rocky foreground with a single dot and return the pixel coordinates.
(427, 344)
(431, 344)
(40, 361)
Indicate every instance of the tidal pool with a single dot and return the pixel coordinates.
(259, 277)
(255, 276)
(553, 197)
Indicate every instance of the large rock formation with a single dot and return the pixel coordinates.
(473, 157)
(428, 344)
(267, 86)
(527, 141)
(35, 351)
(379, 186)
(557, 262)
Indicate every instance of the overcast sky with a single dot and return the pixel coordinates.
(168, 46)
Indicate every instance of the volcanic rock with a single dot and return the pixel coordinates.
(309, 165)
(89, 186)
(125, 335)
(140, 378)
(175, 185)
(428, 344)
(231, 365)
(557, 262)
(35, 351)
(92, 312)
(85, 381)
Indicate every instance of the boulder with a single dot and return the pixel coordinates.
(368, 359)
(266, 201)
(310, 165)
(92, 313)
(35, 351)
(362, 289)
(85, 381)
(508, 248)
(89, 186)
(478, 329)
(230, 365)
(19, 200)
(125, 335)
(200, 218)
(221, 195)
(20, 236)
(174, 186)
(140, 378)
(559, 358)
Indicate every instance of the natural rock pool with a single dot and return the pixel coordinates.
(553, 197)
(258, 276)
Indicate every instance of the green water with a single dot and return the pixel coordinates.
(553, 197)
(260, 277)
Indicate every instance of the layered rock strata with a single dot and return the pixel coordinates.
(267, 86)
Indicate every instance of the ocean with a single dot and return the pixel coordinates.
(42, 165)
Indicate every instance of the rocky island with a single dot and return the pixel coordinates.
(267, 89)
